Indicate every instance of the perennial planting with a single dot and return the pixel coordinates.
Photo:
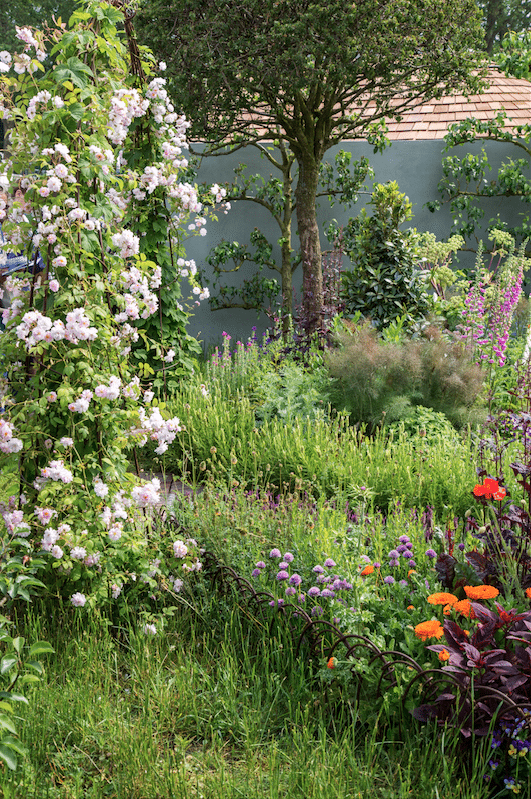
(372, 539)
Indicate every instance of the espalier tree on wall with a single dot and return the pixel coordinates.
(341, 181)
(318, 73)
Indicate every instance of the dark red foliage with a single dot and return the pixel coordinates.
(486, 668)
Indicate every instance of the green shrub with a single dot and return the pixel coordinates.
(384, 282)
(383, 381)
(426, 425)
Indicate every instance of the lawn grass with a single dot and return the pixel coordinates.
(212, 709)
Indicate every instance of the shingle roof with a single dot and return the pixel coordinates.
(432, 120)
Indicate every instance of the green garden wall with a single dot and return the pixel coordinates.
(416, 166)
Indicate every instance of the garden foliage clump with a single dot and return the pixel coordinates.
(382, 382)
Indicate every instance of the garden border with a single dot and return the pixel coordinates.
(434, 686)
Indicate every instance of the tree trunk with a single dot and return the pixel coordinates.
(312, 274)
(287, 290)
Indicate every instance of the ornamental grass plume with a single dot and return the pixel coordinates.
(429, 629)
(479, 592)
(442, 598)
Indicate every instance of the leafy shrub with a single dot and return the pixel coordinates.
(383, 381)
(291, 392)
(426, 424)
(384, 282)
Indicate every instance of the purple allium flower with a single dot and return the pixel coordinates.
(256, 573)
(290, 591)
(401, 549)
(394, 554)
(430, 553)
(411, 563)
(403, 582)
(365, 559)
(283, 565)
(407, 554)
(317, 611)
(260, 564)
(275, 553)
(301, 599)
(295, 580)
(393, 564)
(314, 591)
(389, 580)
(318, 569)
(322, 578)
(461, 546)
(326, 593)
(282, 575)
(337, 585)
(404, 539)
(329, 563)
(288, 557)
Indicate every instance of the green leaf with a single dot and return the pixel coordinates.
(40, 648)
(7, 663)
(7, 723)
(8, 756)
(18, 644)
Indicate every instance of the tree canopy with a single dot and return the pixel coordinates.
(24, 14)
(309, 73)
(501, 17)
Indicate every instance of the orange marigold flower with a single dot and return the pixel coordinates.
(444, 655)
(367, 570)
(411, 607)
(442, 599)
(447, 609)
(465, 608)
(528, 593)
(331, 663)
(481, 591)
(429, 629)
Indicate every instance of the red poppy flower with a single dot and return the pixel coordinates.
(490, 489)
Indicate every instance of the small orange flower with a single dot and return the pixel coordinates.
(464, 608)
(411, 607)
(411, 571)
(367, 570)
(332, 662)
(429, 629)
(442, 599)
(444, 655)
(447, 609)
(528, 593)
(479, 592)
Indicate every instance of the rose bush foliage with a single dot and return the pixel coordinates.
(98, 149)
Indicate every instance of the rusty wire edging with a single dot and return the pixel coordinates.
(322, 638)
